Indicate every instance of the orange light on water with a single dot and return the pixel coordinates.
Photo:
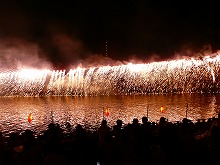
(107, 112)
(162, 109)
(29, 117)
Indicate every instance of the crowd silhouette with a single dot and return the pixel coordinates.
(136, 143)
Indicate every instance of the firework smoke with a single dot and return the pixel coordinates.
(16, 54)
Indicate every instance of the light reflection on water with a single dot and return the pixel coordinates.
(88, 111)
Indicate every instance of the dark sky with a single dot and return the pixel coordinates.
(68, 32)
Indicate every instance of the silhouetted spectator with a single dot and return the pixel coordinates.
(133, 150)
(105, 143)
(104, 131)
(3, 150)
(117, 131)
(118, 139)
(147, 142)
(31, 151)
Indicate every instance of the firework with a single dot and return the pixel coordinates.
(177, 76)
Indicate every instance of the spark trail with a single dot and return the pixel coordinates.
(177, 76)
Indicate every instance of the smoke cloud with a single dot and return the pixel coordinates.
(64, 35)
(16, 54)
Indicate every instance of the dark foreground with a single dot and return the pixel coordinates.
(137, 143)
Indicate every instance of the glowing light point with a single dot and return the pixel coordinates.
(29, 117)
(161, 109)
(107, 112)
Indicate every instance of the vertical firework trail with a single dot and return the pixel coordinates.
(177, 76)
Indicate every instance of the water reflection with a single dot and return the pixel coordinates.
(88, 111)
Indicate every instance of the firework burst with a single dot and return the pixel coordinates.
(177, 76)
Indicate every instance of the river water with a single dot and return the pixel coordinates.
(88, 111)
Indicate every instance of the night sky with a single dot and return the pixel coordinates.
(67, 33)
